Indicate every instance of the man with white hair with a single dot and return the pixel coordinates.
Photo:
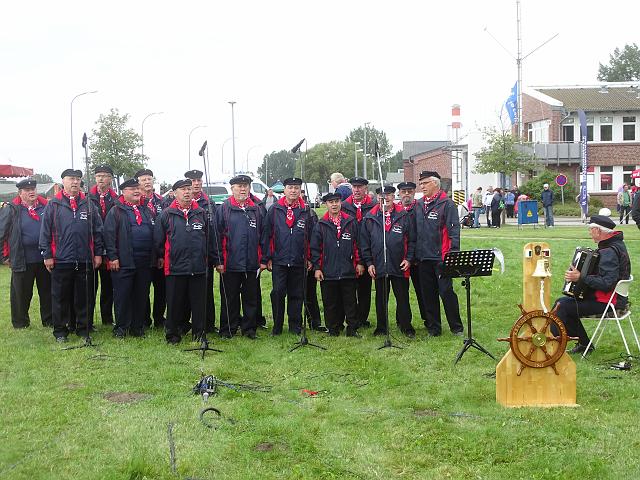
(614, 265)
(547, 204)
(340, 185)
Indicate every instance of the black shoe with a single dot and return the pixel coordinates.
(118, 333)
(354, 334)
(250, 334)
(20, 327)
(409, 333)
(581, 348)
(378, 332)
(61, 339)
(334, 333)
(458, 334)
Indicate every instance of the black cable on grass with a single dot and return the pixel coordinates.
(172, 449)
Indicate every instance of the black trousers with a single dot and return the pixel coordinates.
(21, 293)
(287, 282)
(130, 289)
(415, 279)
(495, 218)
(510, 211)
(106, 294)
(400, 287)
(339, 300)
(210, 313)
(312, 309)
(71, 290)
(570, 310)
(434, 285)
(624, 211)
(181, 288)
(234, 288)
(159, 299)
(363, 298)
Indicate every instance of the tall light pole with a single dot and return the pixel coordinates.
(72, 100)
(233, 137)
(364, 169)
(143, 120)
(355, 156)
(192, 130)
(222, 157)
(250, 148)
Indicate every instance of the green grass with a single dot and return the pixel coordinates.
(380, 413)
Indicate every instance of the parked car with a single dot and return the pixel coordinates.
(220, 191)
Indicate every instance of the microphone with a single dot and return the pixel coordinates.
(84, 140)
(204, 145)
(297, 147)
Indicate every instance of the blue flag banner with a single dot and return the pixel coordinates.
(512, 104)
(584, 202)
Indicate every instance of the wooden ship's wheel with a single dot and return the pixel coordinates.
(532, 342)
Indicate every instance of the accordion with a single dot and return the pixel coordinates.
(586, 261)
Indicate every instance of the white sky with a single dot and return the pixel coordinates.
(296, 69)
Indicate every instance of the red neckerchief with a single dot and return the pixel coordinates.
(387, 220)
(248, 203)
(196, 196)
(410, 206)
(365, 201)
(72, 202)
(32, 211)
(136, 212)
(184, 211)
(336, 222)
(299, 203)
(103, 205)
(428, 200)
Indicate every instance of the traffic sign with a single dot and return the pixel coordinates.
(561, 180)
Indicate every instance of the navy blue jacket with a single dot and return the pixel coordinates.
(11, 237)
(613, 265)
(238, 236)
(184, 247)
(284, 245)
(65, 236)
(547, 198)
(400, 240)
(117, 234)
(154, 203)
(337, 258)
(437, 228)
(203, 203)
(350, 209)
(109, 200)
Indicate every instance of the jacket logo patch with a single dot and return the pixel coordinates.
(252, 223)
(432, 215)
(83, 215)
(396, 229)
(197, 226)
(346, 236)
(300, 224)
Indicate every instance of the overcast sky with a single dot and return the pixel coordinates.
(296, 69)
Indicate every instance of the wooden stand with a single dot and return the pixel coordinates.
(518, 385)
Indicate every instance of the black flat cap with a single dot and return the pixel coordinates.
(240, 179)
(143, 172)
(132, 182)
(387, 189)
(405, 185)
(193, 174)
(185, 182)
(331, 196)
(70, 172)
(359, 181)
(27, 183)
(103, 169)
(292, 181)
(428, 173)
(602, 221)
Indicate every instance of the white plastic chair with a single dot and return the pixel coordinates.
(610, 313)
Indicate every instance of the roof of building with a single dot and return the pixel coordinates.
(395, 177)
(611, 96)
(412, 148)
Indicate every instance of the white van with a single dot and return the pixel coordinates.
(312, 191)
(221, 190)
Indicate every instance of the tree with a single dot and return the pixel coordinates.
(395, 163)
(624, 66)
(42, 178)
(113, 144)
(323, 159)
(501, 154)
(373, 135)
(277, 166)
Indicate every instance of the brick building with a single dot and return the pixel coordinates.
(441, 156)
(552, 128)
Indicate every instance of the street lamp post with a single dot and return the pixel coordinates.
(192, 130)
(72, 100)
(233, 136)
(143, 120)
(222, 155)
(250, 148)
(364, 169)
(355, 156)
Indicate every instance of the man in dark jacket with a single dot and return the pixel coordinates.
(210, 207)
(408, 201)
(103, 197)
(311, 307)
(547, 204)
(358, 205)
(261, 320)
(238, 229)
(336, 262)
(394, 231)
(285, 243)
(613, 265)
(438, 232)
(182, 243)
(128, 238)
(154, 202)
(19, 235)
(72, 247)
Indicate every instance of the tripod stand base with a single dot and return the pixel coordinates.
(87, 343)
(303, 342)
(204, 347)
(387, 344)
(471, 342)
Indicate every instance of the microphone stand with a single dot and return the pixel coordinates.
(385, 288)
(204, 343)
(304, 340)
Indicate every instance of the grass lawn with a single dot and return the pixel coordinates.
(388, 413)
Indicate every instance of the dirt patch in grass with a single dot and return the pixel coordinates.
(264, 447)
(426, 412)
(125, 397)
(73, 386)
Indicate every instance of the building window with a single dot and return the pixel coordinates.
(629, 128)
(606, 178)
(627, 170)
(529, 129)
(606, 129)
(589, 133)
(567, 133)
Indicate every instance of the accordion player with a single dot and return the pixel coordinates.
(584, 260)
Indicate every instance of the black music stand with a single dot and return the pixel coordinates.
(467, 264)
